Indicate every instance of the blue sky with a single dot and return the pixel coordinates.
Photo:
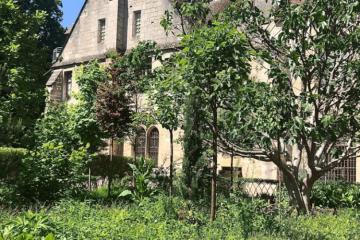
(71, 9)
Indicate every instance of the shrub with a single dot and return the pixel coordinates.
(10, 161)
(51, 172)
(56, 126)
(144, 181)
(100, 165)
(336, 195)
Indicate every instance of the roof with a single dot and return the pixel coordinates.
(54, 76)
(71, 31)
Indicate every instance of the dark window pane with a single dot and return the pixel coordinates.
(154, 145)
(140, 142)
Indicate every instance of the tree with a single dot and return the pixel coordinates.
(305, 117)
(56, 126)
(83, 112)
(135, 73)
(51, 33)
(24, 60)
(214, 64)
(192, 15)
(113, 112)
(167, 103)
(186, 17)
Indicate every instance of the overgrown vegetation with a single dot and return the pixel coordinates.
(165, 218)
(30, 30)
(303, 116)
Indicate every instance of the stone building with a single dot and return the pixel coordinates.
(118, 25)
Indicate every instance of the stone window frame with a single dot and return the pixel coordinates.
(101, 30)
(67, 84)
(137, 17)
(140, 142)
(153, 144)
(149, 144)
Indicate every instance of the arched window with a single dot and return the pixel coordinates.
(140, 141)
(153, 144)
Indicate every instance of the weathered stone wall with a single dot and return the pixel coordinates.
(151, 15)
(84, 44)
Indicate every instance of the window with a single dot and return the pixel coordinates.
(345, 171)
(226, 172)
(67, 84)
(102, 30)
(137, 24)
(153, 144)
(140, 141)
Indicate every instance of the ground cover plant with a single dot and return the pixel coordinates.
(166, 218)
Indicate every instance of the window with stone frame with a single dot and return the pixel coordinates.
(67, 85)
(345, 171)
(102, 30)
(153, 145)
(137, 24)
(140, 142)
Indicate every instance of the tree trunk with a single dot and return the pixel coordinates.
(299, 194)
(111, 152)
(171, 161)
(214, 170)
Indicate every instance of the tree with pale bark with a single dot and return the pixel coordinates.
(305, 117)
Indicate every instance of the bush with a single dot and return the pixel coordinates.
(100, 165)
(51, 172)
(10, 161)
(336, 195)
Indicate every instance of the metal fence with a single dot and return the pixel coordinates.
(250, 187)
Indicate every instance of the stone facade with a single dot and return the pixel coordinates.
(122, 31)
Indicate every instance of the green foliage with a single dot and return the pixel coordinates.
(56, 126)
(100, 165)
(309, 96)
(88, 77)
(344, 226)
(166, 95)
(215, 64)
(51, 172)
(29, 226)
(30, 30)
(195, 170)
(54, 36)
(193, 15)
(10, 161)
(143, 179)
(134, 68)
(336, 195)
(173, 218)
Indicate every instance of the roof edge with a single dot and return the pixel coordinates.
(72, 29)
